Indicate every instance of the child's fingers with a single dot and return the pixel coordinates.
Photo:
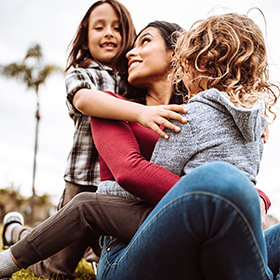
(176, 108)
(167, 124)
(157, 130)
(175, 116)
(162, 116)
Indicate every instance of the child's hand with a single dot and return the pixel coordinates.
(155, 116)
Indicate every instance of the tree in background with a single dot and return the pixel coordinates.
(33, 73)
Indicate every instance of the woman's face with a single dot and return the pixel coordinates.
(149, 60)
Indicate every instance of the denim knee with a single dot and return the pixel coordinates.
(220, 179)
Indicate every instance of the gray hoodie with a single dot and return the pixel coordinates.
(216, 130)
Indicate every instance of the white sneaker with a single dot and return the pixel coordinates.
(10, 218)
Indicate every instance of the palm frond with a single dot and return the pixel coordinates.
(34, 51)
(19, 71)
(31, 74)
(13, 70)
(46, 71)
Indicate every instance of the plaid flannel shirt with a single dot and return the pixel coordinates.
(82, 163)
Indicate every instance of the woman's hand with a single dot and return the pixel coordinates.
(154, 117)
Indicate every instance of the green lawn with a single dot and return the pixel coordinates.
(84, 271)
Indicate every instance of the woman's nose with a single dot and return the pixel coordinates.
(130, 53)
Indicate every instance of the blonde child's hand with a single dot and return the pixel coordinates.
(154, 117)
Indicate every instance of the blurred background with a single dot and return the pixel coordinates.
(52, 24)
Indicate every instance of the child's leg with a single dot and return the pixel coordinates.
(83, 220)
(65, 261)
(7, 264)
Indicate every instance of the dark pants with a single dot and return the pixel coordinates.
(65, 261)
(78, 224)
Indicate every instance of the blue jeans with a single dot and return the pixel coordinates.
(272, 239)
(207, 226)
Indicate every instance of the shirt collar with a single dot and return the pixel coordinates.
(100, 66)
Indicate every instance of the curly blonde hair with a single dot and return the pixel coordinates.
(227, 52)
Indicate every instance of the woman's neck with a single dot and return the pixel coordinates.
(159, 93)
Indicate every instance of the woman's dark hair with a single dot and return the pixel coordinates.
(169, 32)
(80, 56)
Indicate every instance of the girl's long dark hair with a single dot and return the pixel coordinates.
(80, 56)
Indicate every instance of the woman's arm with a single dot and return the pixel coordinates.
(130, 169)
(119, 148)
(265, 204)
(104, 105)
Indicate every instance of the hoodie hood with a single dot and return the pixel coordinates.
(250, 121)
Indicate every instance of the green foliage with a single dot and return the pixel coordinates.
(30, 70)
(25, 274)
(34, 51)
(13, 193)
(83, 272)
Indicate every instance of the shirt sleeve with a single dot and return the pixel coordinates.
(265, 199)
(130, 169)
(75, 80)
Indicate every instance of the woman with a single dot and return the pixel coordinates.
(127, 219)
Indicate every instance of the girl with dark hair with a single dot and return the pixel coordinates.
(96, 59)
(97, 56)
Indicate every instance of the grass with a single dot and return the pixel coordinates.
(83, 271)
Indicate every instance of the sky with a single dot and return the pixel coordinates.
(53, 24)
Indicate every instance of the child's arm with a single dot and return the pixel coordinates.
(103, 105)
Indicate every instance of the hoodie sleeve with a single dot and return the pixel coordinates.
(174, 153)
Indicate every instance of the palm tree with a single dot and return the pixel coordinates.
(33, 74)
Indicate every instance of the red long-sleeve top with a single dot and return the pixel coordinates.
(125, 149)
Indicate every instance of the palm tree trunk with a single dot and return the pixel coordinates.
(33, 198)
